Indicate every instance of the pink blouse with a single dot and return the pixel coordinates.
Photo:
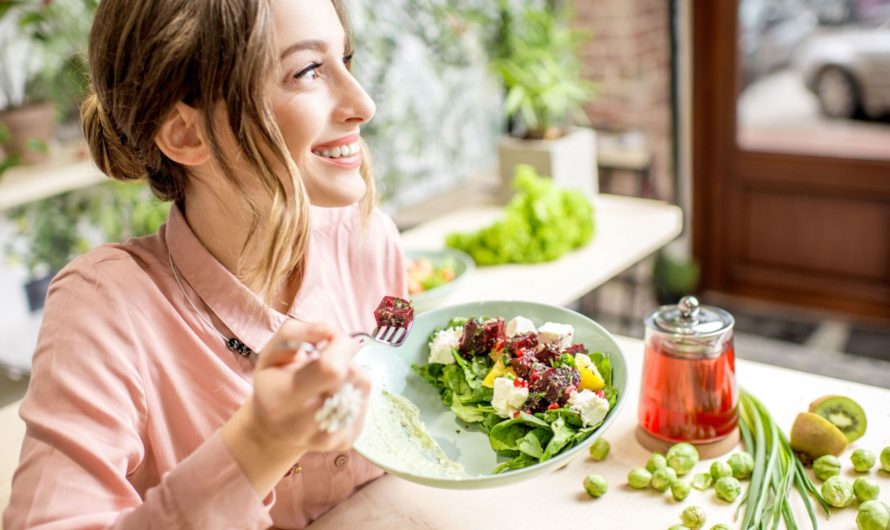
(130, 385)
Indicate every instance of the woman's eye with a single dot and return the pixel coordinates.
(309, 73)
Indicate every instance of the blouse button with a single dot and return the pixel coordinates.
(341, 461)
(296, 468)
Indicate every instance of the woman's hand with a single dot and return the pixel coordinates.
(277, 425)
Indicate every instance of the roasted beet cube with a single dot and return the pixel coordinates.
(547, 353)
(394, 311)
(480, 337)
(556, 384)
(524, 365)
(526, 342)
(576, 348)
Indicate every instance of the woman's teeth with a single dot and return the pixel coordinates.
(339, 151)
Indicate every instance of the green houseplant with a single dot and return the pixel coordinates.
(541, 73)
(538, 64)
(42, 70)
(49, 233)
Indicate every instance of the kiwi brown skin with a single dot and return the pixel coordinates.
(844, 413)
(814, 436)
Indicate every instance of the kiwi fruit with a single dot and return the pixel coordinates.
(844, 413)
(813, 436)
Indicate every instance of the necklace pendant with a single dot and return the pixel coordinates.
(238, 347)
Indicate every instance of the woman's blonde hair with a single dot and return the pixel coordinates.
(145, 56)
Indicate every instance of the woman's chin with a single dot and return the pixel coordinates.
(329, 195)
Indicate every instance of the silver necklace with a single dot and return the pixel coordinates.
(232, 343)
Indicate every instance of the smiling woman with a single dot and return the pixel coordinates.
(178, 393)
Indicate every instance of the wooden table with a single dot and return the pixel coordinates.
(558, 500)
(627, 230)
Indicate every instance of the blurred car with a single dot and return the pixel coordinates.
(771, 31)
(849, 71)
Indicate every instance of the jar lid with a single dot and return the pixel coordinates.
(688, 318)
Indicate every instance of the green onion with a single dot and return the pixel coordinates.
(767, 501)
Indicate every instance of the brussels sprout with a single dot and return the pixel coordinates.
(639, 478)
(680, 489)
(599, 450)
(885, 459)
(837, 492)
(720, 470)
(663, 478)
(702, 481)
(826, 466)
(595, 485)
(873, 515)
(693, 517)
(721, 526)
(728, 488)
(742, 465)
(678, 527)
(656, 462)
(865, 489)
(863, 460)
(682, 457)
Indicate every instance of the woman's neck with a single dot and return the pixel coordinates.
(223, 231)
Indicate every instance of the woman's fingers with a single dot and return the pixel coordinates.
(329, 369)
(284, 346)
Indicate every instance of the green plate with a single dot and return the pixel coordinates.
(463, 267)
(390, 369)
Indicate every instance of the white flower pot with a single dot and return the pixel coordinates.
(570, 160)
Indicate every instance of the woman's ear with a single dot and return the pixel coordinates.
(181, 137)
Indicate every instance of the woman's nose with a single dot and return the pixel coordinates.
(354, 104)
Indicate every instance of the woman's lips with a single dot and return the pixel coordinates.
(348, 162)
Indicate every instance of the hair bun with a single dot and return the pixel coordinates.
(109, 150)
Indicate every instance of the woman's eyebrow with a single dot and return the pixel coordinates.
(304, 45)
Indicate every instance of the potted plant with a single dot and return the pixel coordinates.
(7, 160)
(47, 234)
(538, 64)
(42, 70)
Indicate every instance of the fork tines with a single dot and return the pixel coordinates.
(391, 334)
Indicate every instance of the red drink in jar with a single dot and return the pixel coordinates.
(688, 389)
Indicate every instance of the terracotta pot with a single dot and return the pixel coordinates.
(35, 121)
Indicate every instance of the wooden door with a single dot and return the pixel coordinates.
(785, 208)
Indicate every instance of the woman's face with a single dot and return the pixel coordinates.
(317, 103)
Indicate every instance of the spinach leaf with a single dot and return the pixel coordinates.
(562, 434)
(505, 435)
(603, 365)
(534, 441)
(523, 460)
(470, 413)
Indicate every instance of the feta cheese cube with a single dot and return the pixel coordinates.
(520, 326)
(558, 334)
(443, 343)
(591, 407)
(507, 398)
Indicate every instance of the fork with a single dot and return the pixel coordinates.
(393, 335)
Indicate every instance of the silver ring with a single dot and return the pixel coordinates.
(340, 409)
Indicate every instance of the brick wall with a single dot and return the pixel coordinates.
(628, 56)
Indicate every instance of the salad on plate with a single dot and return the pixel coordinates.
(532, 389)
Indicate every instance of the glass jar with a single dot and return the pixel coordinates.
(688, 390)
